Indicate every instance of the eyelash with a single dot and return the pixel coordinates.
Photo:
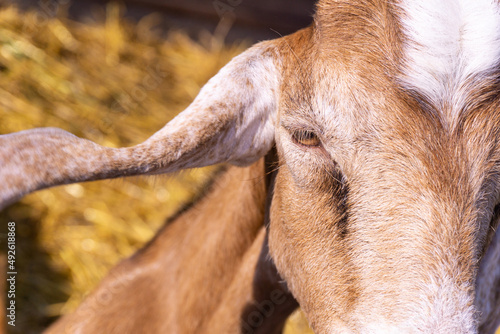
(306, 138)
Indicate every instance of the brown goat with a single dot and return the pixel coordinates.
(381, 214)
(208, 267)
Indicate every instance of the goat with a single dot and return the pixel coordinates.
(372, 140)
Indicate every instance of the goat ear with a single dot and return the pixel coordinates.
(231, 120)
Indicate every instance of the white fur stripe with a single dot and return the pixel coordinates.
(449, 41)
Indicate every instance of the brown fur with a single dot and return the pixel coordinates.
(403, 163)
(386, 226)
(205, 272)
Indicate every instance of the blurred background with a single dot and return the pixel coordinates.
(112, 72)
(251, 20)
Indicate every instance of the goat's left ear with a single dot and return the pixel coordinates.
(231, 120)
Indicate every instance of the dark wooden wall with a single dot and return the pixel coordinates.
(251, 19)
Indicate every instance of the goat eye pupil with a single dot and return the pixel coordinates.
(306, 138)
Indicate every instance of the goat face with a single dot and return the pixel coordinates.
(388, 159)
(385, 193)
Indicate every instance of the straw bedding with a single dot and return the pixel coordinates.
(115, 83)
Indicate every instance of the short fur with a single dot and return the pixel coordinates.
(385, 225)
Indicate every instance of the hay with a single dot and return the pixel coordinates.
(114, 83)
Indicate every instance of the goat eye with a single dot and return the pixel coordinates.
(306, 138)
